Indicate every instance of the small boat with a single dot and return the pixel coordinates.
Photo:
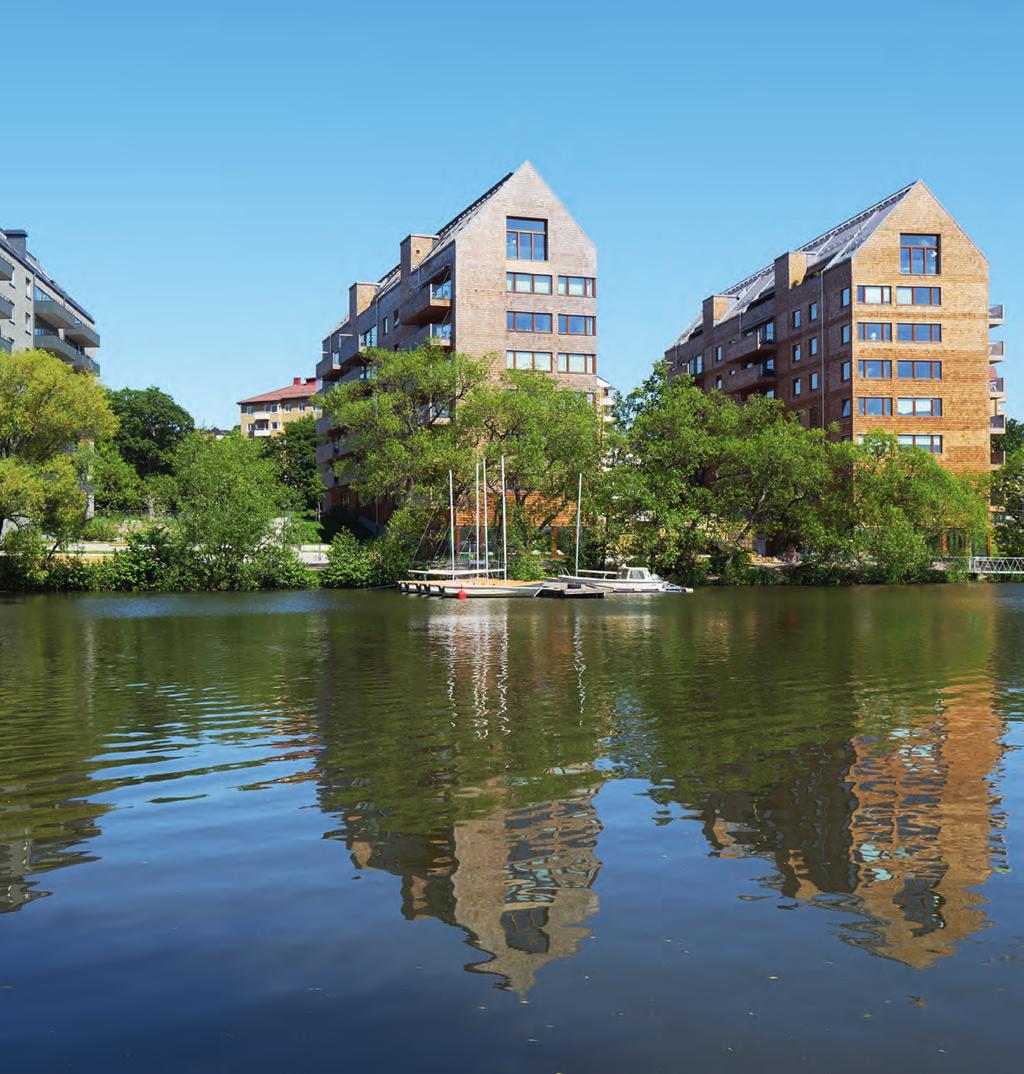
(625, 580)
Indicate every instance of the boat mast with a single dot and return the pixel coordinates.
(487, 560)
(579, 506)
(476, 565)
(504, 527)
(451, 517)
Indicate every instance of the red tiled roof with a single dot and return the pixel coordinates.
(298, 389)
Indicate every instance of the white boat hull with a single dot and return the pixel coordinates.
(616, 585)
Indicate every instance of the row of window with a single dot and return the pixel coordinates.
(812, 349)
(567, 363)
(905, 296)
(569, 324)
(913, 406)
(881, 369)
(273, 408)
(881, 332)
(928, 441)
(797, 315)
(798, 384)
(533, 283)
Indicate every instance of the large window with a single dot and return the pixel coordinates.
(812, 311)
(587, 363)
(796, 352)
(577, 286)
(918, 296)
(369, 337)
(526, 240)
(919, 255)
(528, 360)
(814, 382)
(570, 324)
(874, 296)
(929, 441)
(845, 407)
(921, 408)
(844, 334)
(874, 369)
(844, 371)
(844, 297)
(796, 318)
(527, 322)
(921, 370)
(798, 386)
(919, 333)
(527, 283)
(812, 345)
(874, 331)
(875, 406)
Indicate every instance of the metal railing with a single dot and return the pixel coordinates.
(995, 564)
(996, 386)
(997, 423)
(441, 291)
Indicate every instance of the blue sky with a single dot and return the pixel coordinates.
(208, 178)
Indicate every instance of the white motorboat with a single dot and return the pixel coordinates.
(625, 580)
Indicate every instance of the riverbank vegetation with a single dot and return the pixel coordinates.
(688, 483)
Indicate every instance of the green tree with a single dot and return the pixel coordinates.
(1008, 499)
(228, 498)
(294, 452)
(116, 485)
(1012, 440)
(150, 427)
(47, 411)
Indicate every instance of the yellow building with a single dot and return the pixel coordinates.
(269, 413)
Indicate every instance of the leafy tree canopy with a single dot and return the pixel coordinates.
(150, 427)
(294, 453)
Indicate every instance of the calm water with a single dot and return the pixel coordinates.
(738, 831)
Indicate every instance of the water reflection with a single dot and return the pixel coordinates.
(852, 740)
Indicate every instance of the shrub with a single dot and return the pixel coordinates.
(100, 528)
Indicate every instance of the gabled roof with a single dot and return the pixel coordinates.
(834, 246)
(298, 389)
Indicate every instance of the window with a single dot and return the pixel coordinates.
(397, 319)
(302, 408)
(796, 318)
(874, 331)
(845, 407)
(812, 311)
(796, 352)
(844, 298)
(920, 408)
(570, 324)
(528, 360)
(770, 394)
(813, 344)
(919, 333)
(697, 365)
(250, 409)
(844, 371)
(368, 338)
(718, 355)
(844, 334)
(928, 441)
(583, 363)
(385, 324)
(797, 386)
(813, 416)
(273, 408)
(528, 283)
(28, 323)
(918, 296)
(718, 383)
(874, 296)
(274, 425)
(527, 322)
(919, 370)
(871, 369)
(288, 408)
(526, 240)
(577, 286)
(875, 406)
(919, 255)
(814, 381)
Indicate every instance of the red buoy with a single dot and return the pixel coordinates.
(462, 595)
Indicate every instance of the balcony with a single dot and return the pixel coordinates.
(6, 309)
(757, 342)
(995, 316)
(996, 351)
(48, 340)
(996, 388)
(750, 379)
(82, 333)
(430, 303)
(439, 335)
(997, 423)
(6, 269)
(997, 458)
(53, 312)
(6, 344)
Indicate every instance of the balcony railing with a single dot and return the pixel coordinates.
(6, 344)
(996, 350)
(995, 316)
(82, 333)
(430, 303)
(996, 386)
(6, 269)
(52, 311)
(6, 309)
(997, 423)
(440, 332)
(48, 340)
(746, 379)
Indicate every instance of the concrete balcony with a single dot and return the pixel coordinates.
(82, 333)
(758, 342)
(65, 350)
(995, 316)
(433, 302)
(996, 388)
(6, 344)
(438, 335)
(997, 423)
(6, 269)
(996, 351)
(757, 377)
(54, 313)
(6, 309)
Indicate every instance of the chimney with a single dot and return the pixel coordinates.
(311, 380)
(296, 380)
(17, 238)
(414, 248)
(360, 295)
(790, 270)
(715, 307)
